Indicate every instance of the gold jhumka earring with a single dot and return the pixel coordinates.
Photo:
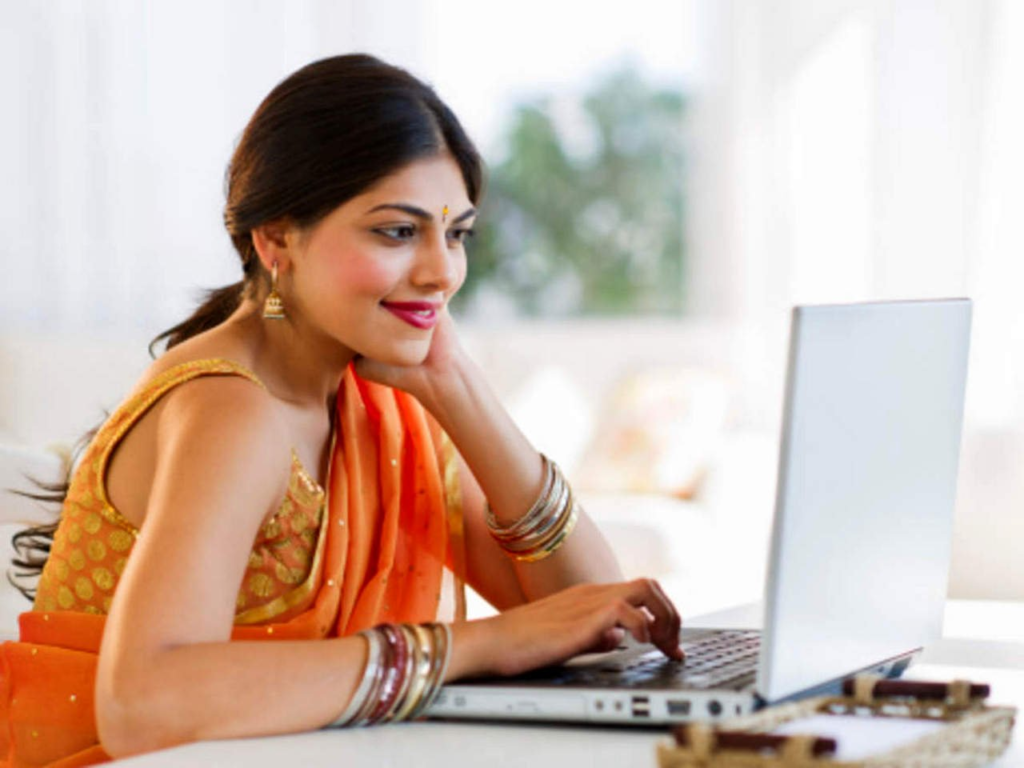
(273, 307)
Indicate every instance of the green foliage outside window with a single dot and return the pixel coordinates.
(586, 220)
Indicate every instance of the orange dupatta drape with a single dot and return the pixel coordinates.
(394, 521)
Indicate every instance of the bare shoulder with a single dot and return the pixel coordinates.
(221, 466)
(229, 414)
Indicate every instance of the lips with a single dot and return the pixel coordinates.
(419, 314)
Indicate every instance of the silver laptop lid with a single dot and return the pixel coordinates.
(867, 481)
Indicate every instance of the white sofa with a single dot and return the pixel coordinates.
(709, 551)
(554, 379)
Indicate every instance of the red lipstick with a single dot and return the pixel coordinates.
(419, 314)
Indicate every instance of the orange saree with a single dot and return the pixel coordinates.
(393, 523)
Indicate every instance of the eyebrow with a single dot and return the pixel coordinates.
(419, 213)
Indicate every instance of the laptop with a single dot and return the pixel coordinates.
(860, 543)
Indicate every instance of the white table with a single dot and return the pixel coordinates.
(983, 641)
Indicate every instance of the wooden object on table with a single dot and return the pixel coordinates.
(972, 733)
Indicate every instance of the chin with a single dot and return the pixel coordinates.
(404, 353)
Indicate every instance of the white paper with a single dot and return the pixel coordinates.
(860, 737)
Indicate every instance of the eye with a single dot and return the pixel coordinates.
(399, 232)
(461, 235)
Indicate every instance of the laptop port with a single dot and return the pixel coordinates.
(641, 706)
(678, 707)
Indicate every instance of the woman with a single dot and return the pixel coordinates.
(241, 493)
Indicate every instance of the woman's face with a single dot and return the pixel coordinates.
(375, 274)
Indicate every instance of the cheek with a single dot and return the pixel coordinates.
(361, 276)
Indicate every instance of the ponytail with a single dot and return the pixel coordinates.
(324, 135)
(215, 309)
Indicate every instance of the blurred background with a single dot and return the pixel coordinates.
(667, 178)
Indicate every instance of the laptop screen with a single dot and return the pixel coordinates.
(867, 483)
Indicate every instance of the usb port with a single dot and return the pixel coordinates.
(678, 707)
(641, 706)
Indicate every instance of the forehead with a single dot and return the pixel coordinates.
(430, 182)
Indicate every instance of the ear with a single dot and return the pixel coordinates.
(271, 242)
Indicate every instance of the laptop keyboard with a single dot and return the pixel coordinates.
(717, 659)
(722, 659)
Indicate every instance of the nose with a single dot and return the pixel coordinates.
(437, 265)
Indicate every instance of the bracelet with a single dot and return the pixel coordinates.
(549, 528)
(424, 660)
(546, 526)
(405, 668)
(524, 524)
(369, 673)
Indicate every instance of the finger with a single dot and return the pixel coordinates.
(613, 638)
(610, 640)
(632, 619)
(675, 620)
(665, 627)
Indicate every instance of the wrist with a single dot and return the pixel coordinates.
(450, 389)
(472, 650)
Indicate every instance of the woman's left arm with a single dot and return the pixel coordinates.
(505, 470)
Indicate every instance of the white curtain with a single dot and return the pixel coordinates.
(841, 150)
(860, 150)
(119, 120)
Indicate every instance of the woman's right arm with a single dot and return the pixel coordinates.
(167, 672)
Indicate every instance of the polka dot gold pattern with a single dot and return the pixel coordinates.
(92, 523)
(83, 588)
(93, 542)
(103, 578)
(300, 523)
(119, 541)
(76, 559)
(288, 575)
(64, 598)
(261, 585)
(97, 551)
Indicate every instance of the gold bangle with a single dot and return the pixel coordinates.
(523, 525)
(556, 543)
(441, 656)
(421, 656)
(552, 525)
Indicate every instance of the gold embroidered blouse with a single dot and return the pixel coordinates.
(93, 540)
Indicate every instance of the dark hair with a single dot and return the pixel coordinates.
(324, 135)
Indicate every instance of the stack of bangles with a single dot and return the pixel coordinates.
(542, 530)
(404, 671)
